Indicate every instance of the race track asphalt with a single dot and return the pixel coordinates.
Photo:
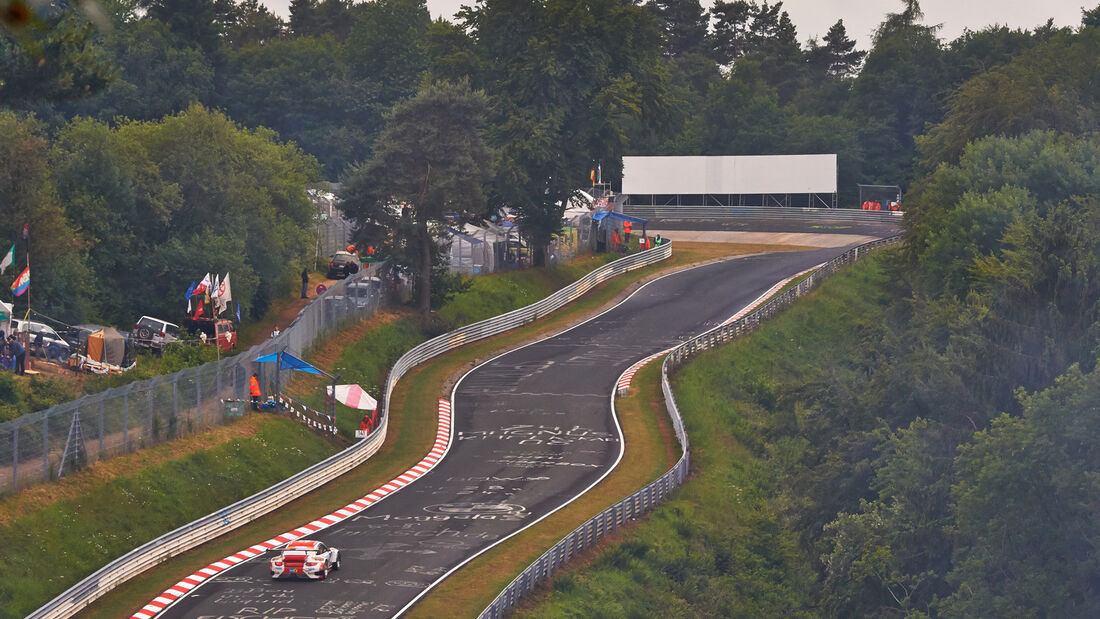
(532, 429)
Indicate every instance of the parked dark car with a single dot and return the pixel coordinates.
(77, 336)
(343, 264)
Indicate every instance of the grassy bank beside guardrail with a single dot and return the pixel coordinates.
(721, 546)
(412, 426)
(49, 547)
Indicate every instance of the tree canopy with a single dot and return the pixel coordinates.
(429, 163)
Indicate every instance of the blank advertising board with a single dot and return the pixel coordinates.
(747, 174)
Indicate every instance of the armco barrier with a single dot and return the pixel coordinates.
(191, 535)
(759, 212)
(643, 500)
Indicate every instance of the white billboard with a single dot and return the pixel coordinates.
(744, 174)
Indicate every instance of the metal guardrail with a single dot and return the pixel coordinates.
(191, 535)
(761, 212)
(645, 499)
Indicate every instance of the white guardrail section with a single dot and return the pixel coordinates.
(645, 499)
(759, 212)
(208, 527)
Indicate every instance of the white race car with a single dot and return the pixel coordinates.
(305, 559)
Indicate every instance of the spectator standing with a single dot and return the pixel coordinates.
(20, 355)
(254, 391)
(39, 344)
(305, 283)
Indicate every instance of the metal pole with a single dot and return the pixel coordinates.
(125, 419)
(100, 456)
(15, 455)
(149, 398)
(198, 389)
(176, 395)
(46, 446)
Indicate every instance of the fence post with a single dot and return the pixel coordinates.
(46, 447)
(219, 416)
(176, 394)
(126, 418)
(15, 455)
(149, 398)
(100, 455)
(198, 391)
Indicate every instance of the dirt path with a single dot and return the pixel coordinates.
(284, 312)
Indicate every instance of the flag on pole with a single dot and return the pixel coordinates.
(26, 232)
(225, 294)
(190, 293)
(203, 286)
(592, 175)
(21, 283)
(238, 311)
(599, 173)
(8, 259)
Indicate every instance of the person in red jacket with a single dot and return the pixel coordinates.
(254, 391)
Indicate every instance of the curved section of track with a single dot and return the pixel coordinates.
(532, 428)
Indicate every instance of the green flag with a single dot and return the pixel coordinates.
(8, 259)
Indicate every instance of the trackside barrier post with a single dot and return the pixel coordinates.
(609, 519)
(195, 533)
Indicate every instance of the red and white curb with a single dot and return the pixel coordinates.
(623, 386)
(183, 587)
(767, 295)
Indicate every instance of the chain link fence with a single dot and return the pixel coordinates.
(96, 427)
(475, 250)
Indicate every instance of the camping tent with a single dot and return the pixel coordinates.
(107, 346)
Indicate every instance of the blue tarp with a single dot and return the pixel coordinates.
(288, 361)
(613, 215)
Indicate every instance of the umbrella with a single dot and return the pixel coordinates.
(353, 396)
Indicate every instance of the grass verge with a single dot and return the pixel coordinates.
(105, 517)
(412, 426)
(722, 546)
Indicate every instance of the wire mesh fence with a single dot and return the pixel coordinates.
(492, 247)
(143, 413)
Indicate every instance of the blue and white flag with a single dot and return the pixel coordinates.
(190, 293)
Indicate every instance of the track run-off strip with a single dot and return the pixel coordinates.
(185, 586)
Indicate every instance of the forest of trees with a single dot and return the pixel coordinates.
(568, 84)
(149, 141)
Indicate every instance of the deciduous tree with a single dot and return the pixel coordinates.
(430, 160)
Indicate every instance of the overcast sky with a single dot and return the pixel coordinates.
(813, 17)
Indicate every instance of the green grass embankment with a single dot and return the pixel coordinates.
(722, 547)
(49, 548)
